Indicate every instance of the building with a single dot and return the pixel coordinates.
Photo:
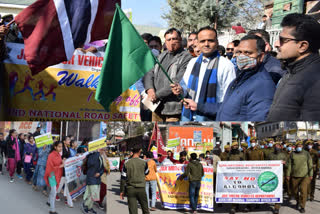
(13, 6)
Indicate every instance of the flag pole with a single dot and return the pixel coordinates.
(10, 23)
(151, 138)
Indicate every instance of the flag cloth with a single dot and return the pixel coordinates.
(127, 59)
(53, 29)
(156, 136)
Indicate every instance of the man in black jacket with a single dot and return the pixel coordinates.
(297, 96)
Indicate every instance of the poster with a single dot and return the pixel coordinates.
(62, 92)
(74, 176)
(25, 127)
(45, 139)
(114, 163)
(173, 142)
(246, 182)
(97, 144)
(175, 193)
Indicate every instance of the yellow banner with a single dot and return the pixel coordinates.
(63, 92)
(97, 144)
(175, 193)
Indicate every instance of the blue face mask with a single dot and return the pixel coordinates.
(270, 144)
(289, 149)
(299, 149)
(241, 149)
(284, 146)
(262, 146)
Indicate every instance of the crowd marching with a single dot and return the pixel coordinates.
(43, 168)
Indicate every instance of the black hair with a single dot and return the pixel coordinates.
(136, 149)
(55, 145)
(221, 49)
(193, 156)
(64, 138)
(306, 28)
(264, 16)
(201, 155)
(70, 136)
(11, 132)
(264, 34)
(192, 33)
(208, 28)
(184, 153)
(238, 24)
(146, 36)
(149, 155)
(236, 43)
(71, 143)
(29, 137)
(19, 135)
(85, 140)
(156, 39)
(261, 45)
(169, 151)
(171, 30)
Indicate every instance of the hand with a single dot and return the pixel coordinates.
(176, 89)
(311, 178)
(4, 30)
(288, 178)
(97, 175)
(283, 162)
(45, 146)
(122, 195)
(190, 104)
(152, 95)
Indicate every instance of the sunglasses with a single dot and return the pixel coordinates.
(284, 40)
(230, 49)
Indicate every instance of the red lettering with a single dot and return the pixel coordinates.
(80, 59)
(86, 60)
(99, 61)
(86, 115)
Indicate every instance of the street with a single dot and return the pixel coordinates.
(19, 198)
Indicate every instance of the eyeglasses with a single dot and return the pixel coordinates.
(284, 40)
(230, 49)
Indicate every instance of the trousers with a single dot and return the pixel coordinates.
(140, 195)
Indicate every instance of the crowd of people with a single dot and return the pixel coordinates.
(300, 161)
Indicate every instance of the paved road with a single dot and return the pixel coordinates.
(19, 198)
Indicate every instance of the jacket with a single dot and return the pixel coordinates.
(157, 80)
(94, 165)
(194, 171)
(273, 66)
(297, 97)
(3, 147)
(254, 154)
(10, 150)
(43, 155)
(53, 165)
(152, 170)
(248, 97)
(30, 149)
(300, 165)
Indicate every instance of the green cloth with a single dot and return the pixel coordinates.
(194, 171)
(127, 59)
(91, 195)
(300, 165)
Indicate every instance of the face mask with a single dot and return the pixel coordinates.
(155, 52)
(253, 145)
(246, 63)
(276, 149)
(289, 149)
(284, 146)
(262, 146)
(299, 149)
(309, 146)
(241, 149)
(229, 55)
(270, 144)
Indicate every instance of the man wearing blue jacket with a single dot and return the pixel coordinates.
(250, 95)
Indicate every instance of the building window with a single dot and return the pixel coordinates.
(273, 127)
(270, 128)
(262, 129)
(278, 126)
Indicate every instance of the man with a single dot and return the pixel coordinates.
(297, 97)
(300, 170)
(191, 43)
(263, 24)
(277, 154)
(2, 151)
(194, 171)
(230, 50)
(244, 147)
(133, 177)
(315, 161)
(224, 155)
(182, 159)
(217, 150)
(254, 153)
(271, 64)
(268, 149)
(206, 79)
(146, 37)
(238, 29)
(157, 85)
(288, 183)
(249, 96)
(155, 43)
(37, 132)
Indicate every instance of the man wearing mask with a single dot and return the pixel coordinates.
(300, 170)
(315, 160)
(297, 97)
(278, 155)
(244, 147)
(206, 79)
(288, 183)
(230, 50)
(269, 148)
(254, 153)
(270, 63)
(174, 60)
(250, 95)
(224, 155)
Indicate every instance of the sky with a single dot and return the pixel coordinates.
(147, 12)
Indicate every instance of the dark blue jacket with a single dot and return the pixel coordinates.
(94, 165)
(248, 97)
(273, 66)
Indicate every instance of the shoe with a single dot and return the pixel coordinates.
(311, 199)
(276, 211)
(84, 209)
(245, 210)
(53, 212)
(153, 209)
(232, 211)
(11, 180)
(100, 206)
(66, 203)
(1, 173)
(302, 210)
(20, 177)
(45, 193)
(57, 198)
(92, 211)
(48, 204)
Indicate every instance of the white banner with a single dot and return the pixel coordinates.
(246, 182)
(73, 167)
(114, 163)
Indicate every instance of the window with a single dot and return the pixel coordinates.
(270, 128)
(278, 126)
(273, 127)
(262, 129)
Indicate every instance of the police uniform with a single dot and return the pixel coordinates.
(224, 155)
(315, 161)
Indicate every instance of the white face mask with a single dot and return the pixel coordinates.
(253, 145)
(155, 52)
(309, 146)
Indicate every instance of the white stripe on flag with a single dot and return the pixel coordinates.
(65, 28)
(94, 9)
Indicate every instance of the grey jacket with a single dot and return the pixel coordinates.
(157, 80)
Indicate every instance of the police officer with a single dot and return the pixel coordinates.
(244, 147)
(301, 172)
(254, 153)
(224, 155)
(288, 183)
(277, 154)
(133, 177)
(269, 148)
(315, 160)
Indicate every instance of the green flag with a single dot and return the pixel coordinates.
(127, 59)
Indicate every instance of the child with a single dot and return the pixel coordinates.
(30, 151)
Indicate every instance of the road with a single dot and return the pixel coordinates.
(19, 198)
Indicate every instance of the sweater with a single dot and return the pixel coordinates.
(53, 165)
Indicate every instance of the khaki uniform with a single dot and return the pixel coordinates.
(267, 152)
(300, 169)
(224, 156)
(254, 154)
(288, 183)
(315, 161)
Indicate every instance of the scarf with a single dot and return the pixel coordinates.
(17, 149)
(209, 84)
